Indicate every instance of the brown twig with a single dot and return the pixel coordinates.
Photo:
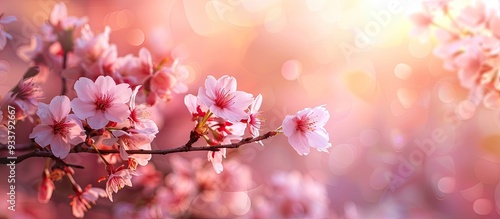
(184, 148)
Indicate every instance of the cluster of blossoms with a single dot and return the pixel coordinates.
(108, 114)
(469, 43)
(192, 189)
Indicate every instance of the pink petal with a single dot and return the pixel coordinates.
(320, 115)
(59, 13)
(44, 114)
(85, 89)
(299, 143)
(83, 109)
(98, 121)
(255, 107)
(210, 88)
(191, 103)
(76, 133)
(60, 107)
(42, 134)
(60, 148)
(117, 112)
(318, 138)
(289, 125)
(105, 84)
(122, 93)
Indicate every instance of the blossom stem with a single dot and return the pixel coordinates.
(63, 79)
(75, 185)
(100, 155)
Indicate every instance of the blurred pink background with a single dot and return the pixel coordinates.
(406, 142)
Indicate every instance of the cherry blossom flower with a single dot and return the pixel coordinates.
(135, 70)
(254, 121)
(45, 188)
(297, 196)
(133, 140)
(118, 180)
(195, 107)
(102, 101)
(216, 158)
(58, 128)
(59, 17)
(26, 96)
(3, 34)
(223, 100)
(139, 116)
(80, 202)
(474, 15)
(306, 129)
(97, 55)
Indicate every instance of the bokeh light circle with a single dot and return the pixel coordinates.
(291, 69)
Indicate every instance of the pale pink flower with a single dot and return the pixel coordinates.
(57, 127)
(470, 63)
(133, 140)
(135, 70)
(118, 180)
(474, 15)
(90, 46)
(26, 96)
(223, 100)
(59, 17)
(421, 22)
(97, 55)
(139, 116)
(102, 101)
(3, 34)
(306, 129)
(194, 106)
(216, 158)
(80, 202)
(45, 188)
(254, 121)
(297, 196)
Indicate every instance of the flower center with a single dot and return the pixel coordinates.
(61, 128)
(103, 102)
(223, 99)
(304, 124)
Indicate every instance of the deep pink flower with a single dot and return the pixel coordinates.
(80, 202)
(118, 180)
(57, 128)
(306, 129)
(45, 188)
(223, 100)
(102, 101)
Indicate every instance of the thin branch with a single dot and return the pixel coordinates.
(184, 148)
